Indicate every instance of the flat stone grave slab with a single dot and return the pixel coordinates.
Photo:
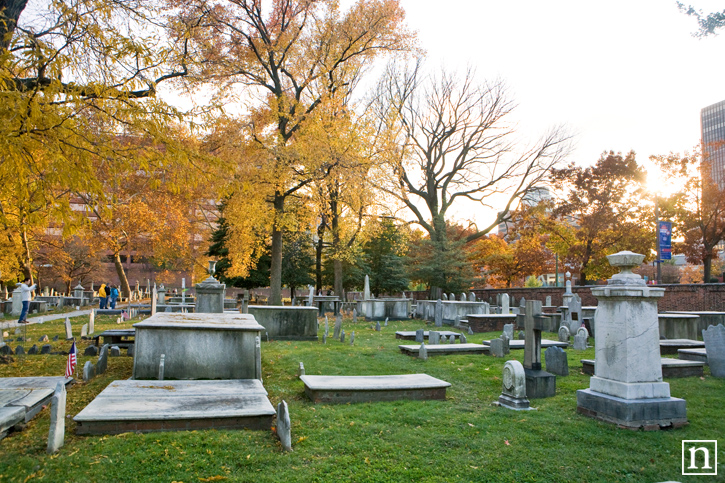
(699, 355)
(489, 322)
(671, 346)
(152, 406)
(445, 349)
(29, 393)
(519, 344)
(410, 334)
(670, 367)
(9, 417)
(120, 337)
(354, 389)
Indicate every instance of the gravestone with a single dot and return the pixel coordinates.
(627, 387)
(496, 348)
(539, 383)
(508, 329)
(423, 352)
(505, 303)
(342, 335)
(324, 338)
(327, 326)
(505, 343)
(336, 330)
(84, 331)
(352, 338)
(451, 297)
(452, 339)
(89, 371)
(386, 322)
(575, 313)
(154, 298)
(102, 363)
(68, 330)
(556, 361)
(210, 293)
(366, 289)
(420, 335)
(580, 339)
(5, 350)
(19, 351)
(521, 335)
(130, 350)
(434, 337)
(55, 338)
(46, 349)
(470, 331)
(162, 366)
(513, 393)
(548, 300)
(92, 322)
(471, 297)
(301, 370)
(444, 297)
(115, 351)
(462, 339)
(464, 297)
(42, 339)
(563, 334)
(284, 428)
(354, 316)
(33, 350)
(91, 350)
(522, 305)
(56, 434)
(714, 337)
(377, 326)
(439, 313)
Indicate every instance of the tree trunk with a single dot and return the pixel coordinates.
(707, 267)
(275, 275)
(10, 11)
(318, 253)
(336, 248)
(28, 261)
(122, 275)
(337, 266)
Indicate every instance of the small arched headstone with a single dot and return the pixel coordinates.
(423, 352)
(462, 339)
(563, 334)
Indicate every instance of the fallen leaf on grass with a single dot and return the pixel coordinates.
(471, 425)
(506, 442)
(301, 438)
(213, 478)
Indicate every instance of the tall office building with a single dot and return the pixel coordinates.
(712, 123)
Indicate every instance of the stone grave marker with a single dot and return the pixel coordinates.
(556, 361)
(505, 343)
(386, 322)
(563, 334)
(521, 335)
(19, 351)
(301, 370)
(548, 300)
(471, 297)
(496, 348)
(336, 330)
(575, 312)
(129, 352)
(55, 338)
(42, 339)
(444, 297)
(377, 326)
(324, 338)
(33, 350)
(115, 351)
(46, 349)
(92, 322)
(452, 339)
(539, 383)
(470, 331)
(462, 339)
(102, 363)
(452, 297)
(513, 393)
(354, 316)
(56, 434)
(714, 337)
(342, 335)
(68, 330)
(464, 297)
(91, 350)
(284, 427)
(420, 335)
(89, 371)
(84, 331)
(5, 350)
(423, 352)
(352, 338)
(439, 313)
(508, 329)
(580, 339)
(505, 303)
(434, 337)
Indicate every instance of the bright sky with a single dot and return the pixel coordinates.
(620, 75)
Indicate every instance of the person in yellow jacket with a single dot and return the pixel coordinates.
(103, 295)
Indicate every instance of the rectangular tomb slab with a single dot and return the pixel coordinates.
(9, 417)
(444, 349)
(670, 368)
(410, 334)
(29, 393)
(353, 389)
(699, 355)
(489, 322)
(671, 346)
(149, 406)
(519, 344)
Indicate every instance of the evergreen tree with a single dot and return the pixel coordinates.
(384, 255)
(298, 261)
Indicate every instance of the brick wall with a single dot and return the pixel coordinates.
(694, 297)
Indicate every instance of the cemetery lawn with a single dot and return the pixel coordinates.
(463, 438)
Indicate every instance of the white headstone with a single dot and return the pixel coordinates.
(564, 334)
(56, 435)
(68, 329)
(366, 292)
(84, 330)
(423, 352)
(513, 394)
(505, 303)
(284, 427)
(92, 322)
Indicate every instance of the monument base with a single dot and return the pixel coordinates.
(540, 384)
(648, 414)
(518, 404)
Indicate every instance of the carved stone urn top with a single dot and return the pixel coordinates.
(626, 261)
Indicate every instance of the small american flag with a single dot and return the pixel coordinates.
(71, 366)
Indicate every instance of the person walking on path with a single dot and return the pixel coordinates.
(25, 298)
(113, 294)
(102, 296)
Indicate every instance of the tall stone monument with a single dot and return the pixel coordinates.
(627, 387)
(210, 294)
(539, 383)
(366, 288)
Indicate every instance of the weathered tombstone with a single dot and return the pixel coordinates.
(444, 297)
(505, 303)
(420, 335)
(575, 313)
(505, 342)
(338, 327)
(327, 326)
(496, 348)
(521, 335)
(462, 339)
(91, 350)
(17, 304)
(464, 297)
(55, 338)
(115, 351)
(452, 339)
(470, 330)
(513, 394)
(443, 339)
(89, 371)
(352, 338)
(714, 337)
(508, 329)
(354, 316)
(301, 370)
(130, 350)
(19, 351)
(627, 387)
(434, 337)
(556, 361)
(284, 427)
(439, 313)
(5, 350)
(423, 352)
(84, 331)
(162, 361)
(539, 383)
(33, 350)
(386, 322)
(548, 300)
(324, 338)
(342, 335)
(68, 329)
(56, 434)
(522, 305)
(366, 288)
(580, 339)
(563, 334)
(154, 299)
(46, 349)
(102, 363)
(377, 326)
(42, 339)
(471, 297)
(452, 297)
(92, 322)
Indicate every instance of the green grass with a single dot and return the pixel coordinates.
(463, 438)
